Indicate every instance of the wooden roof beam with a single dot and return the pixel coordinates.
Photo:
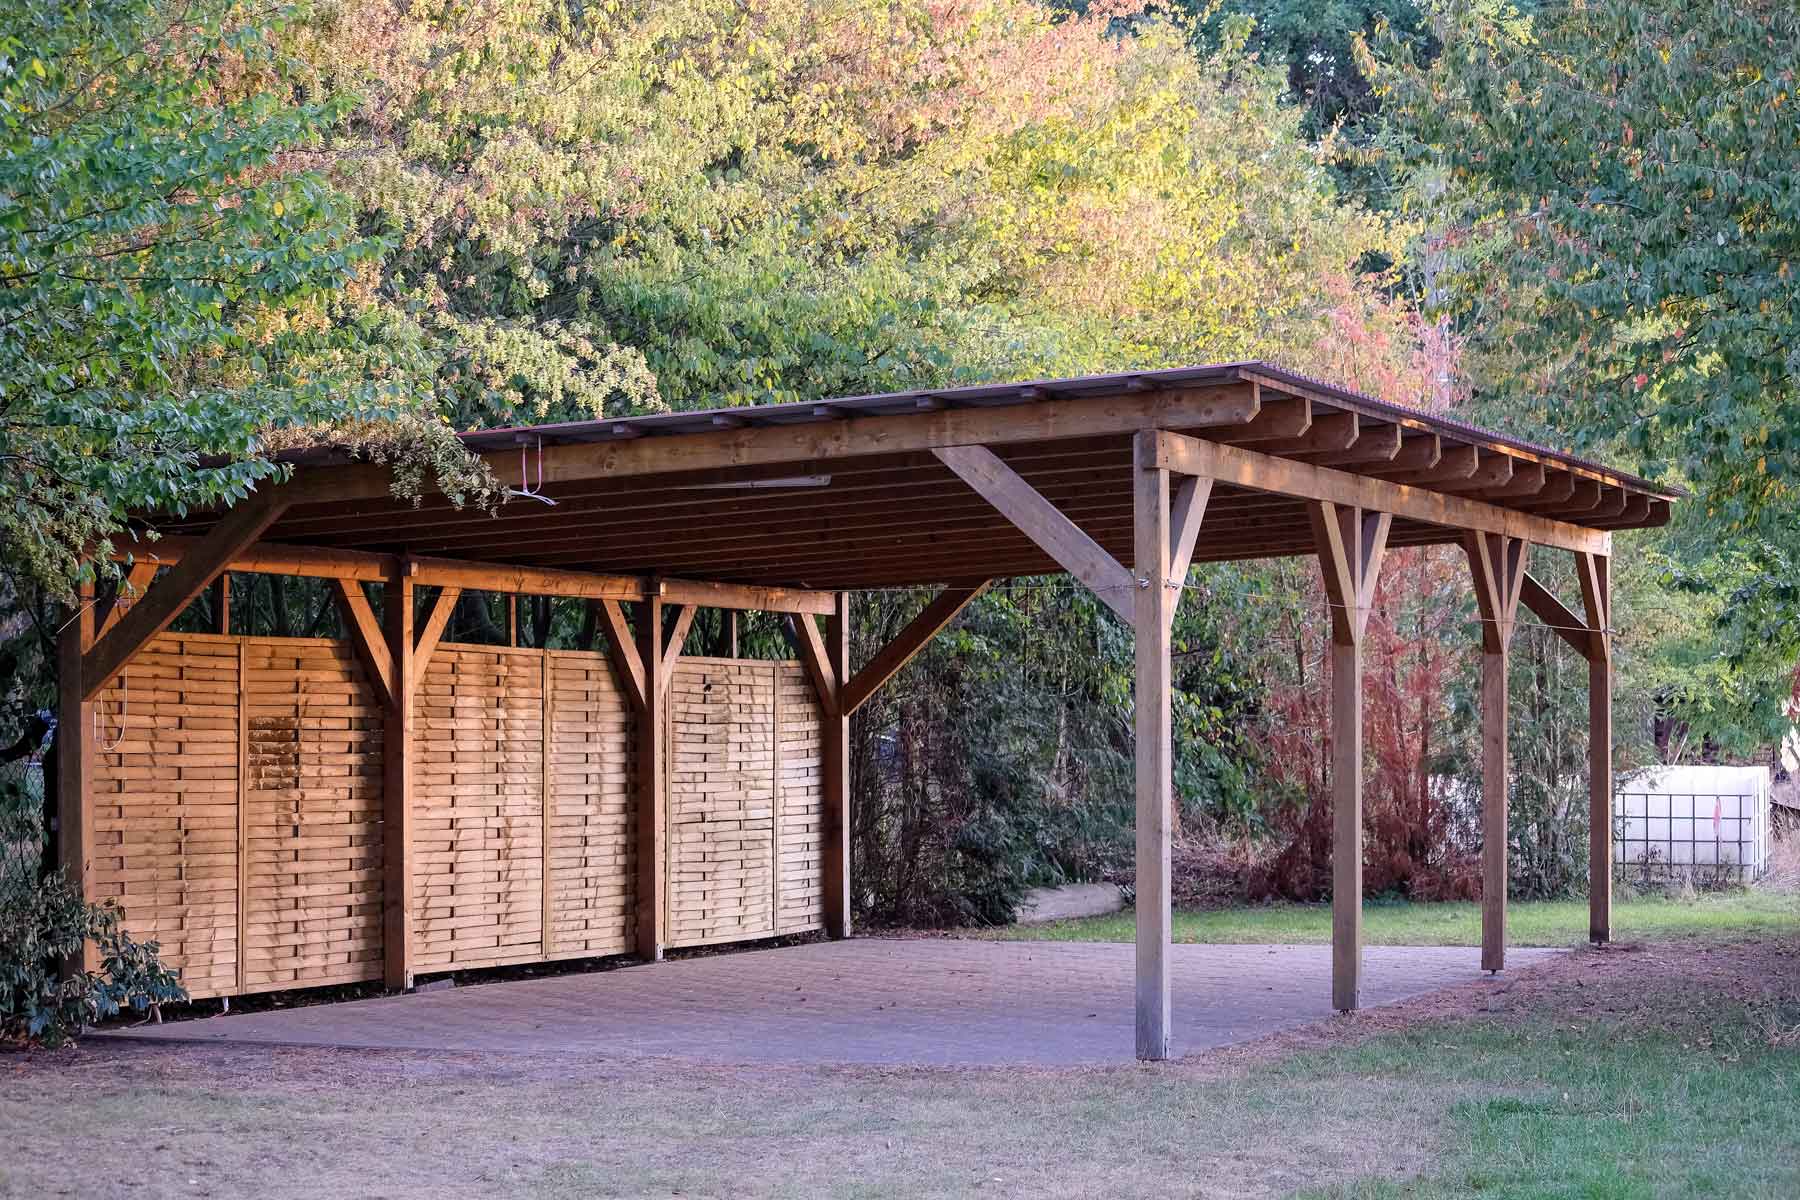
(1332, 432)
(1229, 405)
(363, 565)
(1455, 463)
(1247, 468)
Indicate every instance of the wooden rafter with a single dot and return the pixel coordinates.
(887, 661)
(164, 599)
(1041, 521)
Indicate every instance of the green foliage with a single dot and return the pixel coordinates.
(45, 923)
(741, 204)
(170, 276)
(1001, 758)
(1632, 166)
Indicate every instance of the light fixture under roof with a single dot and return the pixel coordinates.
(786, 481)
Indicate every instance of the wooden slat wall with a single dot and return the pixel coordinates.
(801, 838)
(312, 791)
(593, 859)
(285, 858)
(478, 808)
(721, 795)
(166, 804)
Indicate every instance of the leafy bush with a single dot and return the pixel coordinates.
(45, 924)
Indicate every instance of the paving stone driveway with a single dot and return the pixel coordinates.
(867, 1001)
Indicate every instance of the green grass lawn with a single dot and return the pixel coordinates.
(1400, 923)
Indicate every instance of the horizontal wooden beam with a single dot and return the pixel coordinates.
(317, 562)
(1248, 469)
(861, 436)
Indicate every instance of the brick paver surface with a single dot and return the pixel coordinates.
(869, 1000)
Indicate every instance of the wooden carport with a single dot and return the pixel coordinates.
(1122, 481)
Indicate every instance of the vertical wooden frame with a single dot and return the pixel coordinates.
(836, 754)
(652, 784)
(398, 885)
(243, 814)
(1351, 544)
(1595, 570)
(1152, 605)
(546, 777)
(1498, 564)
(75, 757)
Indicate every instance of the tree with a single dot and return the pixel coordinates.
(174, 291)
(1634, 167)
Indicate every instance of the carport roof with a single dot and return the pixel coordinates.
(851, 493)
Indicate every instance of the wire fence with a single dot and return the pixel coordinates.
(1709, 835)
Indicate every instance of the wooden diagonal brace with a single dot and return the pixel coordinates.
(367, 636)
(907, 644)
(621, 649)
(1586, 640)
(1041, 521)
(433, 632)
(1498, 564)
(684, 621)
(817, 661)
(163, 600)
(1352, 543)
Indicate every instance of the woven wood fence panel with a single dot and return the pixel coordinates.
(801, 859)
(524, 769)
(593, 825)
(743, 747)
(312, 797)
(165, 796)
(478, 808)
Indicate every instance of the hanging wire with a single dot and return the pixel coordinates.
(100, 743)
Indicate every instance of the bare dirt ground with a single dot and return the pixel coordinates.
(134, 1119)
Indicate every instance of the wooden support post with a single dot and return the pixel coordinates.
(75, 757)
(1498, 563)
(651, 789)
(1595, 589)
(547, 765)
(1152, 607)
(1351, 545)
(397, 781)
(221, 603)
(836, 753)
(1591, 636)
